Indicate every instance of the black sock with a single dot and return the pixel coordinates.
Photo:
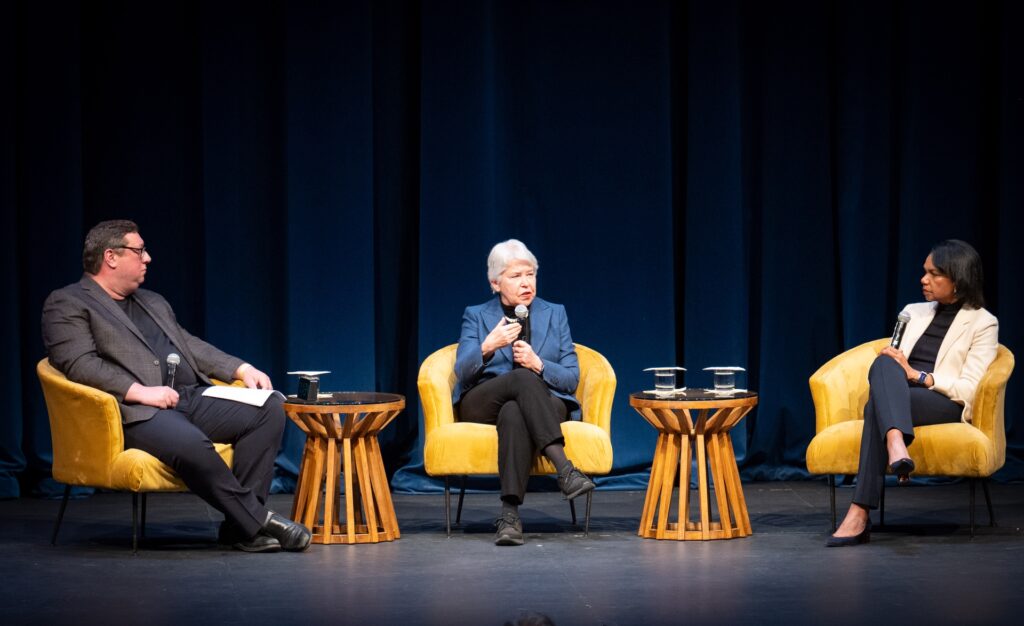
(509, 507)
(556, 454)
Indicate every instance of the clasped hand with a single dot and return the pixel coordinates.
(901, 358)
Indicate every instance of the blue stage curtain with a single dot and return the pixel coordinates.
(704, 183)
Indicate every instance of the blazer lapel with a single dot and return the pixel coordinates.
(540, 321)
(963, 320)
(916, 328)
(107, 303)
(171, 330)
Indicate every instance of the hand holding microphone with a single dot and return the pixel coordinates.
(901, 327)
(893, 349)
(172, 368)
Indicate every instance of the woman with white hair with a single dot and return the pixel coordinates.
(519, 372)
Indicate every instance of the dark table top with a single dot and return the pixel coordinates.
(349, 398)
(694, 395)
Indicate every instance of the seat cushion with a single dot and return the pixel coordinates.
(467, 448)
(939, 450)
(135, 470)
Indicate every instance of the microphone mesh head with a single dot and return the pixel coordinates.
(904, 317)
(522, 312)
(173, 359)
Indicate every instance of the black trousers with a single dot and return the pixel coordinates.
(183, 439)
(528, 418)
(893, 403)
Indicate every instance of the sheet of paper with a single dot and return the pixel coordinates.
(255, 397)
(308, 372)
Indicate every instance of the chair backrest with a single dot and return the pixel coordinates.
(840, 390)
(85, 426)
(595, 391)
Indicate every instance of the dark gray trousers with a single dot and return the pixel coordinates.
(183, 439)
(528, 418)
(893, 403)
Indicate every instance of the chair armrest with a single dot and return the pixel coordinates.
(85, 426)
(596, 390)
(840, 387)
(988, 408)
(435, 383)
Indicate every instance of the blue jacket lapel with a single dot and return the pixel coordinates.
(540, 322)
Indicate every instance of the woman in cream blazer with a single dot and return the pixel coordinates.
(932, 377)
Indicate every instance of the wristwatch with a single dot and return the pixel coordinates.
(923, 376)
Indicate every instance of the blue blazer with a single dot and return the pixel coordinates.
(549, 337)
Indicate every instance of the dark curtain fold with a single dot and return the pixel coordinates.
(704, 183)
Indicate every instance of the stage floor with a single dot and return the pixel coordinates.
(924, 569)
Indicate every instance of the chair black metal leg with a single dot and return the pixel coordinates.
(572, 509)
(447, 506)
(462, 494)
(988, 503)
(135, 523)
(60, 514)
(832, 498)
(971, 482)
(586, 525)
(142, 530)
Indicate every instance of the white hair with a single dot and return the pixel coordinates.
(504, 253)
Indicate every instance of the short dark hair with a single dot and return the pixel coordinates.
(102, 237)
(962, 264)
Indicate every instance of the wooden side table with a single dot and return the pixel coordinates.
(341, 436)
(694, 422)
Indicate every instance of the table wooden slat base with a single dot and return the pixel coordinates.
(341, 439)
(689, 428)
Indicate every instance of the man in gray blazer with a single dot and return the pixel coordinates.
(106, 332)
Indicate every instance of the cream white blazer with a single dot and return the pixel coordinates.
(966, 352)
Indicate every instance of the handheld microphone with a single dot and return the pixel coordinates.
(172, 367)
(901, 327)
(521, 314)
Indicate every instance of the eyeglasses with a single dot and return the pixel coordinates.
(139, 251)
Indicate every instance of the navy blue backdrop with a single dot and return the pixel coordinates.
(703, 183)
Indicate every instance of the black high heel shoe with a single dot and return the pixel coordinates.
(856, 540)
(902, 469)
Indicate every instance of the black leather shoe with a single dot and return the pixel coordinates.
(259, 543)
(510, 530)
(902, 469)
(856, 540)
(574, 483)
(292, 536)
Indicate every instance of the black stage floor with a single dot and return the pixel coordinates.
(924, 569)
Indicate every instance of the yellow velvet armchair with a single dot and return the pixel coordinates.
(88, 447)
(455, 448)
(973, 451)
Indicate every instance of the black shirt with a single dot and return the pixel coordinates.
(510, 315)
(926, 350)
(158, 341)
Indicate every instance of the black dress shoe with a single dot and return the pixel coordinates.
(902, 469)
(292, 536)
(856, 540)
(259, 543)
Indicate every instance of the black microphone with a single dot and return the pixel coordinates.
(521, 314)
(172, 367)
(901, 327)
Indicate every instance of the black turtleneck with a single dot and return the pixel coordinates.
(926, 350)
(510, 313)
